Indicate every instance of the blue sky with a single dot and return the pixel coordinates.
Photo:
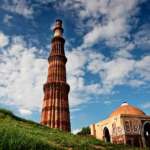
(107, 46)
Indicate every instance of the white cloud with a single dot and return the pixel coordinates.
(111, 73)
(25, 112)
(143, 68)
(76, 62)
(20, 7)
(136, 83)
(75, 131)
(75, 73)
(142, 37)
(106, 32)
(109, 22)
(116, 70)
(3, 40)
(124, 50)
(107, 102)
(22, 75)
(7, 19)
(105, 19)
(120, 71)
(146, 105)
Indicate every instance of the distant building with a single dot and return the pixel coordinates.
(55, 110)
(126, 125)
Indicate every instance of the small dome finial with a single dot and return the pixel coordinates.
(124, 103)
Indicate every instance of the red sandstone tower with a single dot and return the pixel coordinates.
(55, 111)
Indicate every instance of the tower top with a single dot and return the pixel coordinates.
(59, 21)
(58, 30)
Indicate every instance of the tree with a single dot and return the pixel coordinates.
(84, 131)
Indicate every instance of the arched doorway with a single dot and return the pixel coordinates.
(106, 134)
(146, 130)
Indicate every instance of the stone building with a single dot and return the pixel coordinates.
(125, 125)
(55, 110)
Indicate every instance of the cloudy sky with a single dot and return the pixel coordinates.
(107, 46)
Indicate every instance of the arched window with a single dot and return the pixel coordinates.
(146, 133)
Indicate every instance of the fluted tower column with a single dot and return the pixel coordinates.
(55, 110)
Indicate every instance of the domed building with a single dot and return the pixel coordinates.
(125, 125)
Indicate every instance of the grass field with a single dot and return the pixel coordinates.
(20, 134)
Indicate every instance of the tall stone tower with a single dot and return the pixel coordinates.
(55, 111)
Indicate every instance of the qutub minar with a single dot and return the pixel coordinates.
(55, 110)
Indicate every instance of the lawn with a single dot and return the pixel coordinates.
(19, 134)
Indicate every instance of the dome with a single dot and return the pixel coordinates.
(126, 109)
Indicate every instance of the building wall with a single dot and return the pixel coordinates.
(114, 125)
(134, 133)
(123, 129)
(132, 125)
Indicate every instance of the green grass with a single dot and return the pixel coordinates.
(20, 134)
